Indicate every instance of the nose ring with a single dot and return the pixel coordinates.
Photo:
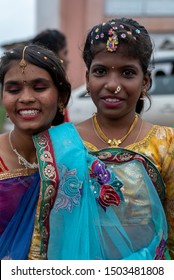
(118, 88)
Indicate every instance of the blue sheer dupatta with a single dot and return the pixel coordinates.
(16, 238)
(106, 206)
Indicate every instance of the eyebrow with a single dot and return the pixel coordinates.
(37, 80)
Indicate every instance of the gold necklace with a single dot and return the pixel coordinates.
(21, 159)
(112, 142)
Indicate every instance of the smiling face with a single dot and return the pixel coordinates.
(109, 70)
(30, 98)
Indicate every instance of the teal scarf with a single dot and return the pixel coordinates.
(106, 206)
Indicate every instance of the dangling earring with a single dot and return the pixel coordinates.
(61, 108)
(142, 97)
(7, 116)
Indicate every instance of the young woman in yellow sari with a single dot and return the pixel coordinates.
(115, 172)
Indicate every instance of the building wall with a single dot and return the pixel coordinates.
(47, 14)
(76, 17)
(76, 25)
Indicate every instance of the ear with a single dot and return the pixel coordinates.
(63, 99)
(147, 81)
(87, 79)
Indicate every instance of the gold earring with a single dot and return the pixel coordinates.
(61, 108)
(144, 92)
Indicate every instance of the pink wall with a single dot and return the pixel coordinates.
(75, 22)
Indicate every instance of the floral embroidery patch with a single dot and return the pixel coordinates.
(69, 192)
(105, 185)
(160, 250)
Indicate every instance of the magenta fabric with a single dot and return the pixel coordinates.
(11, 192)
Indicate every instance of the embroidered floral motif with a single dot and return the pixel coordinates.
(49, 193)
(100, 172)
(50, 179)
(160, 250)
(69, 190)
(152, 174)
(124, 156)
(49, 171)
(46, 156)
(161, 133)
(104, 155)
(106, 194)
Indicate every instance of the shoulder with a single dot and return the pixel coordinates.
(61, 127)
(155, 137)
(164, 132)
(3, 167)
(85, 128)
(3, 142)
(3, 151)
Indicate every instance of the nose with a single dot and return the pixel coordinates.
(27, 95)
(112, 82)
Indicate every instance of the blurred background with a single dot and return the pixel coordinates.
(21, 20)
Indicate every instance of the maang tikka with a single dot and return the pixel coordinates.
(23, 62)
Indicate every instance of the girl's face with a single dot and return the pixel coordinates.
(107, 72)
(30, 98)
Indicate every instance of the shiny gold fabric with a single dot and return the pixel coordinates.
(158, 146)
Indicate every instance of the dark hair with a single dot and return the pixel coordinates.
(121, 31)
(43, 58)
(52, 39)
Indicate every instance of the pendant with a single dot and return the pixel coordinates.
(114, 142)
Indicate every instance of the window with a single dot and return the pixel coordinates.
(139, 8)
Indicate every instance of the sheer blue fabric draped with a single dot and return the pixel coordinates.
(83, 226)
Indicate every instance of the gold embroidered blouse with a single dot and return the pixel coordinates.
(158, 146)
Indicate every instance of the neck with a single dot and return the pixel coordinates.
(120, 125)
(24, 149)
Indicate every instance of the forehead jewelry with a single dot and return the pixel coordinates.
(116, 33)
(23, 62)
(118, 88)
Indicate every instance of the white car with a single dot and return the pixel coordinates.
(161, 112)
(162, 91)
(80, 106)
